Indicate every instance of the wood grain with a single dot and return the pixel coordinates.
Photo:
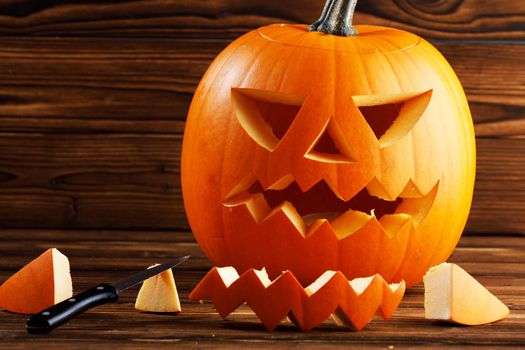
(85, 180)
(499, 198)
(91, 122)
(55, 85)
(144, 86)
(132, 181)
(230, 18)
(96, 256)
(92, 91)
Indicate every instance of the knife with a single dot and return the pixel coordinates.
(62, 312)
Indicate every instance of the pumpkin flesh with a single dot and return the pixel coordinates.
(159, 294)
(451, 294)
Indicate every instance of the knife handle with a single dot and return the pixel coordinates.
(62, 312)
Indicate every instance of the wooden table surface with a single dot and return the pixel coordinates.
(93, 101)
(99, 256)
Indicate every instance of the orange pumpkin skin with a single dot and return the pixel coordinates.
(325, 83)
(272, 301)
(42, 283)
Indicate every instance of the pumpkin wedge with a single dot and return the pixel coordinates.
(40, 284)
(451, 294)
(351, 303)
(159, 294)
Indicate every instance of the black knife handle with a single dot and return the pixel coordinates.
(62, 312)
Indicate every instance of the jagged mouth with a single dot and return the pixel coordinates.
(307, 209)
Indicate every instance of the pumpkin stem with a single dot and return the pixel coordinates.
(336, 18)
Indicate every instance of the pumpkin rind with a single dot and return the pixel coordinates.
(330, 74)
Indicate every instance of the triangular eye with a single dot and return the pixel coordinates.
(392, 117)
(266, 116)
(331, 145)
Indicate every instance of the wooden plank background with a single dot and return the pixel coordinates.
(93, 97)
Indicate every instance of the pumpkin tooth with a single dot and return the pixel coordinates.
(238, 199)
(320, 282)
(263, 277)
(394, 223)
(411, 190)
(394, 287)
(418, 208)
(242, 186)
(335, 190)
(307, 184)
(287, 210)
(427, 184)
(349, 222)
(377, 189)
(311, 219)
(359, 285)
(256, 205)
(317, 227)
(228, 275)
(282, 183)
(392, 294)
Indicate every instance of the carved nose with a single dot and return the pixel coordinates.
(331, 146)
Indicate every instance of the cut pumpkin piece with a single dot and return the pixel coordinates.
(352, 303)
(159, 294)
(451, 294)
(40, 284)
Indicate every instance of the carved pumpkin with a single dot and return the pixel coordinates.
(329, 148)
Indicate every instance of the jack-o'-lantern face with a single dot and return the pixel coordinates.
(308, 155)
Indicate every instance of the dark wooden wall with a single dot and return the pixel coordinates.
(93, 97)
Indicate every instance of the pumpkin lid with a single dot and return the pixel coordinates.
(371, 39)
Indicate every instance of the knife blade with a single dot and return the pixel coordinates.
(62, 312)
